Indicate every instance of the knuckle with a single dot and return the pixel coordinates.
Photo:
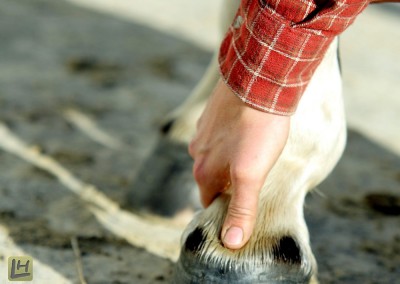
(240, 174)
(240, 212)
(199, 172)
(192, 148)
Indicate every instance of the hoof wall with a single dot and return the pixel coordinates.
(188, 270)
(164, 185)
(285, 266)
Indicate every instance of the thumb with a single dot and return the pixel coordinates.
(241, 216)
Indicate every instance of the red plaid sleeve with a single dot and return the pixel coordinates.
(273, 47)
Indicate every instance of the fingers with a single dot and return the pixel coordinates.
(242, 213)
(257, 154)
(235, 144)
(211, 178)
(242, 210)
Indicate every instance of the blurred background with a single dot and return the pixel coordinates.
(88, 82)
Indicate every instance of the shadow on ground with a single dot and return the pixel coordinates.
(127, 77)
(354, 225)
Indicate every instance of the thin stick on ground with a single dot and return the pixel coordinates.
(78, 259)
(158, 239)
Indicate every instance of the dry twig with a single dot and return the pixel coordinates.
(78, 259)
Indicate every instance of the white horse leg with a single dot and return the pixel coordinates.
(180, 124)
(279, 249)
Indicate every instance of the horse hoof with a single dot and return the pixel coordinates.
(164, 185)
(264, 259)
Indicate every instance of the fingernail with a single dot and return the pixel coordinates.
(233, 236)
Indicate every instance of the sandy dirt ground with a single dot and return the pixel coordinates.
(124, 76)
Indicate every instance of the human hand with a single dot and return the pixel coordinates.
(234, 149)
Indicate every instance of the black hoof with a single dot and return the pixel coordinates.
(283, 264)
(164, 184)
